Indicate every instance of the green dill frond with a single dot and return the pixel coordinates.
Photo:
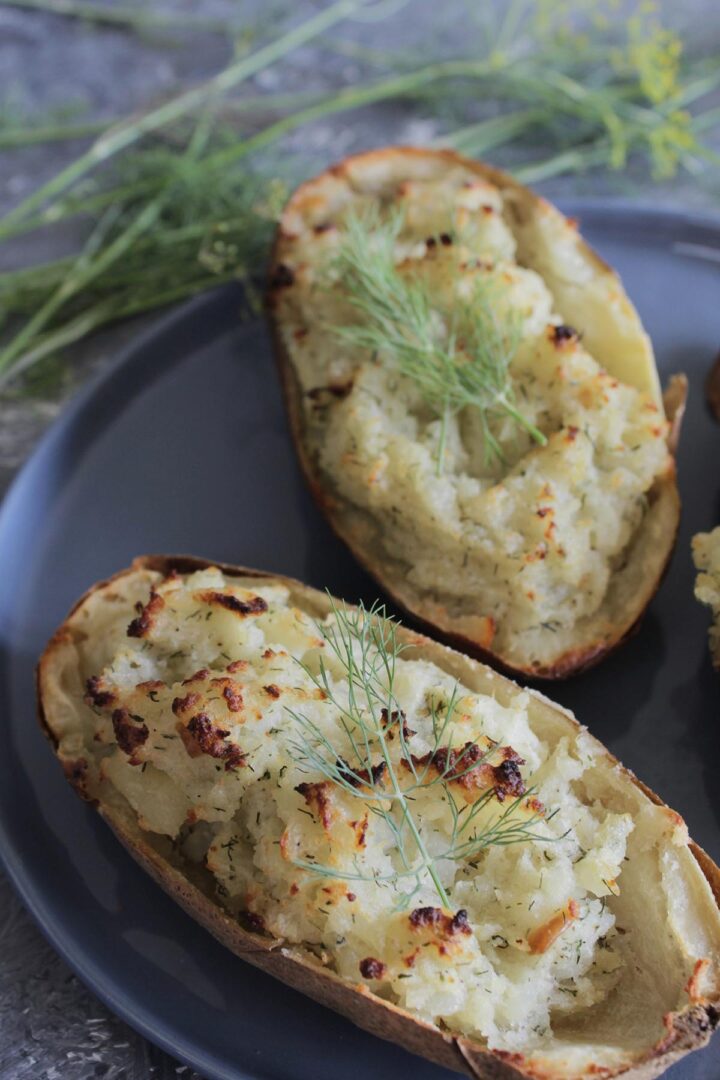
(457, 358)
(365, 644)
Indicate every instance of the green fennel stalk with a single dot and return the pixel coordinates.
(572, 103)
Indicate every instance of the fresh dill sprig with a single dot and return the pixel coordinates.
(458, 357)
(365, 644)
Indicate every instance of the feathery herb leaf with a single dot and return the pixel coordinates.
(457, 357)
(364, 642)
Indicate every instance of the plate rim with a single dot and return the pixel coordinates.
(92, 975)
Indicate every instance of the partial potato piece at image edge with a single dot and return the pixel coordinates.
(706, 556)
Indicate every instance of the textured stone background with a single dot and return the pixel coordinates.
(51, 1027)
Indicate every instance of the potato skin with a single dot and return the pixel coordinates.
(686, 1030)
(430, 616)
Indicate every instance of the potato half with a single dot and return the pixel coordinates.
(127, 650)
(542, 562)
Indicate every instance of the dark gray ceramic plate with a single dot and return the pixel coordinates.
(183, 448)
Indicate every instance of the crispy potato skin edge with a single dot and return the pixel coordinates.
(687, 1030)
(571, 662)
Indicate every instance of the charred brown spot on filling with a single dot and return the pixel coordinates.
(131, 732)
(321, 395)
(318, 798)
(254, 922)
(199, 676)
(202, 737)
(509, 779)
(234, 758)
(231, 691)
(254, 606)
(184, 704)
(147, 615)
(233, 696)
(76, 773)
(370, 968)
(425, 916)
(323, 227)
(282, 278)
(393, 720)
(237, 665)
(362, 777)
(442, 924)
(460, 924)
(446, 239)
(360, 829)
(272, 690)
(95, 694)
(468, 769)
(563, 335)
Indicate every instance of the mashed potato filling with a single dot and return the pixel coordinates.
(706, 555)
(193, 689)
(528, 543)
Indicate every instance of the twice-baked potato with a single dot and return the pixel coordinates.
(393, 828)
(706, 556)
(475, 405)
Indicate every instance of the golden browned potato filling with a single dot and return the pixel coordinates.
(202, 708)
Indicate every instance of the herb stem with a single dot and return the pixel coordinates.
(365, 644)
(85, 270)
(351, 98)
(135, 18)
(407, 817)
(495, 131)
(73, 331)
(76, 206)
(443, 438)
(16, 137)
(401, 323)
(128, 132)
(574, 160)
(523, 421)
